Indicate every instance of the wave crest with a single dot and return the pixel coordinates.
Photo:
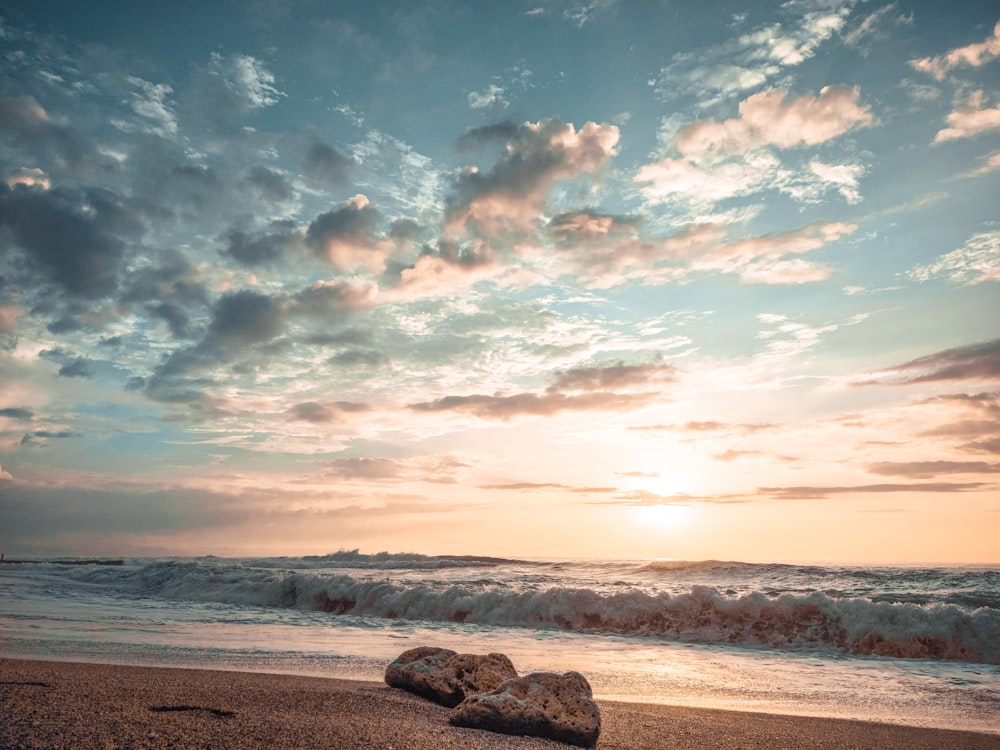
(701, 615)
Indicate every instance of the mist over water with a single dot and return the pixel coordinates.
(822, 640)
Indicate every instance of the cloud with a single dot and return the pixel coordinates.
(731, 158)
(246, 78)
(261, 248)
(824, 492)
(990, 164)
(765, 259)
(970, 120)
(325, 166)
(931, 469)
(16, 412)
(765, 118)
(589, 388)
(972, 55)
(510, 196)
(326, 413)
(872, 24)
(492, 96)
(346, 236)
(751, 58)
(151, 102)
(73, 238)
(973, 263)
(33, 177)
(48, 142)
(972, 362)
(77, 368)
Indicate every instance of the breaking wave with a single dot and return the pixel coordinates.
(700, 614)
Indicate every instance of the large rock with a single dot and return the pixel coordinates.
(542, 704)
(447, 677)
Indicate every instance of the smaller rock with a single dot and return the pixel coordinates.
(445, 676)
(542, 704)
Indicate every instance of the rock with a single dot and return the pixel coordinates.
(542, 704)
(447, 677)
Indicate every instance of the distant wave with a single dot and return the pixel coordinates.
(701, 615)
(387, 561)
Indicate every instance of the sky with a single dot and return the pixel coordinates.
(566, 279)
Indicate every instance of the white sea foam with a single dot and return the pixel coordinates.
(691, 613)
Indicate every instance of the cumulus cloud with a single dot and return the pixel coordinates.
(537, 154)
(972, 55)
(970, 120)
(73, 238)
(722, 160)
(973, 362)
(261, 248)
(605, 388)
(766, 118)
(347, 236)
(973, 263)
(448, 267)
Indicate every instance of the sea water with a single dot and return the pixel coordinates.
(909, 645)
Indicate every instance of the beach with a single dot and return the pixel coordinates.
(49, 704)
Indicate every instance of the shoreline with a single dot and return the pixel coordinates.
(51, 704)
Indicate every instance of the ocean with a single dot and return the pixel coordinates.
(918, 646)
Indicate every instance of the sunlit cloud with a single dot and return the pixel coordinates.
(972, 55)
(970, 120)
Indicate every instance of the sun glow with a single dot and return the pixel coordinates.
(661, 515)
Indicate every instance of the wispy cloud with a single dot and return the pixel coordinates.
(977, 261)
(972, 362)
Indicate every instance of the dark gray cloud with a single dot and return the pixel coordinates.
(261, 248)
(973, 362)
(43, 141)
(73, 238)
(931, 469)
(17, 412)
(269, 185)
(325, 166)
(77, 368)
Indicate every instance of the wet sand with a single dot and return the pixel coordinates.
(56, 705)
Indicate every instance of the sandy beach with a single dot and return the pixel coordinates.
(53, 705)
